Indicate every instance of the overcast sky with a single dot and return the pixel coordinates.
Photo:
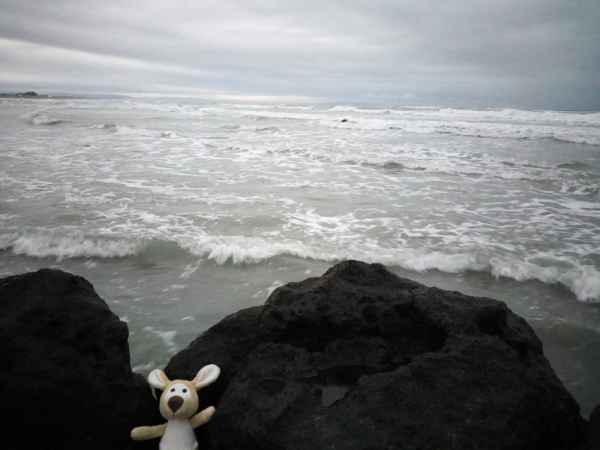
(479, 53)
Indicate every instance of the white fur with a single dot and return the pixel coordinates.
(179, 436)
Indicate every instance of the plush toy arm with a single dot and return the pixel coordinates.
(202, 417)
(143, 433)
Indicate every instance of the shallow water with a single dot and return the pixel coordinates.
(180, 214)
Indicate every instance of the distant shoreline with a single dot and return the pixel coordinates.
(35, 97)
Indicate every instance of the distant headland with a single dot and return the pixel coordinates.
(35, 95)
(31, 94)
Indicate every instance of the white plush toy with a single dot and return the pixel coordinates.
(178, 403)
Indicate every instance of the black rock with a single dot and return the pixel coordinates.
(344, 120)
(592, 441)
(362, 359)
(65, 375)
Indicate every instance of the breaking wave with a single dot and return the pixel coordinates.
(48, 244)
(491, 114)
(578, 135)
(41, 118)
(105, 126)
(382, 119)
(582, 280)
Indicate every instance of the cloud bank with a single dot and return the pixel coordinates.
(498, 53)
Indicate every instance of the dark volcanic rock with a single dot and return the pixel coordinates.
(65, 375)
(592, 441)
(362, 359)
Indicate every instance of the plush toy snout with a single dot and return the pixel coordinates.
(178, 400)
(175, 403)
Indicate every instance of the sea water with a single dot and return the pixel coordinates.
(182, 213)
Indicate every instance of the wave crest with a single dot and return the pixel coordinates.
(582, 280)
(42, 245)
(41, 118)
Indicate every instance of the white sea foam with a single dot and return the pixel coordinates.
(435, 161)
(241, 249)
(255, 128)
(6, 241)
(244, 250)
(41, 118)
(302, 108)
(580, 188)
(167, 337)
(486, 115)
(243, 184)
(105, 126)
(581, 208)
(134, 131)
(158, 106)
(250, 106)
(583, 281)
(47, 244)
(568, 117)
(426, 125)
(169, 135)
(359, 110)
(514, 162)
(311, 117)
(167, 109)
(579, 135)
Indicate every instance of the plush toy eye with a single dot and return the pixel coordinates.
(173, 390)
(184, 391)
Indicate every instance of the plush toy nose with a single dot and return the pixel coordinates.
(175, 403)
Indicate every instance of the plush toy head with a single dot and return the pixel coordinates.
(179, 399)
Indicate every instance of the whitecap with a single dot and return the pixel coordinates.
(169, 135)
(105, 126)
(301, 108)
(241, 249)
(167, 337)
(41, 118)
(48, 244)
(583, 281)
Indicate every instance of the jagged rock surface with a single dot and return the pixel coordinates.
(362, 359)
(65, 375)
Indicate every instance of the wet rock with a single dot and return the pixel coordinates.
(65, 375)
(362, 359)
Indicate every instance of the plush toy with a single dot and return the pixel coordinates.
(178, 403)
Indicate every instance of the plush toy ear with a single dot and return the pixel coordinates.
(207, 375)
(158, 379)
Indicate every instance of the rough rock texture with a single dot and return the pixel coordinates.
(65, 375)
(362, 359)
(592, 441)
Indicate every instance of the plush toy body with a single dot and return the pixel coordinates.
(178, 403)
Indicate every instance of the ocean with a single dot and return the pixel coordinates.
(181, 213)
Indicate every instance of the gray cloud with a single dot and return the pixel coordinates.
(498, 53)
